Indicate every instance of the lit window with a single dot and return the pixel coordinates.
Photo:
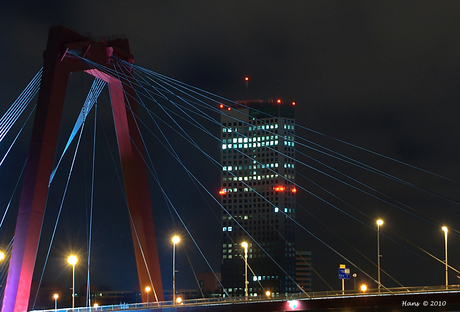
(277, 209)
(230, 229)
(224, 229)
(224, 146)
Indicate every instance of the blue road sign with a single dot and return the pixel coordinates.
(344, 273)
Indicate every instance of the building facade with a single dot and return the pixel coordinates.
(258, 197)
(303, 271)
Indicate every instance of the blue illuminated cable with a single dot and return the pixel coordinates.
(168, 199)
(58, 216)
(17, 136)
(16, 109)
(93, 94)
(88, 283)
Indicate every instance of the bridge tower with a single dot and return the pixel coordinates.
(58, 64)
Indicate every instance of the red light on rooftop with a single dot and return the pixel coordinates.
(228, 108)
(293, 103)
(278, 101)
(221, 106)
(279, 188)
(222, 192)
(246, 78)
(294, 190)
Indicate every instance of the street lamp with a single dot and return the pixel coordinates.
(379, 223)
(55, 296)
(444, 228)
(147, 290)
(175, 240)
(73, 260)
(245, 246)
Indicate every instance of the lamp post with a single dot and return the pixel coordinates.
(444, 228)
(175, 240)
(73, 260)
(245, 246)
(379, 223)
(55, 296)
(147, 290)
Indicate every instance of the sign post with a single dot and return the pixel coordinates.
(344, 273)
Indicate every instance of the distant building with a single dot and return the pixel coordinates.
(303, 270)
(258, 193)
(209, 284)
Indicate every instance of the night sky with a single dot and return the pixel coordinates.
(381, 75)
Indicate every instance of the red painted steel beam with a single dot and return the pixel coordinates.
(131, 149)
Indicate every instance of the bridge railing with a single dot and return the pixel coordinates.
(254, 299)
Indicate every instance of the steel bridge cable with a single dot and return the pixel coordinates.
(12, 195)
(17, 136)
(93, 166)
(167, 197)
(200, 251)
(371, 169)
(300, 126)
(93, 94)
(272, 225)
(17, 108)
(253, 239)
(4, 267)
(391, 277)
(58, 215)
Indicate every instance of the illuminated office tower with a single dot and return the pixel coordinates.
(258, 192)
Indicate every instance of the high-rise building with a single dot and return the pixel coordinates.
(258, 195)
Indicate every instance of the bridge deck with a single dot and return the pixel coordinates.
(390, 299)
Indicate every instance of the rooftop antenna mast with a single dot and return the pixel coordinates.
(247, 90)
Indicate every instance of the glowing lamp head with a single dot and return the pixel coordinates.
(444, 228)
(72, 259)
(244, 245)
(293, 103)
(363, 287)
(268, 293)
(55, 296)
(175, 239)
(278, 101)
(147, 289)
(221, 106)
(293, 304)
(95, 305)
(246, 78)
(2, 255)
(379, 222)
(178, 300)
